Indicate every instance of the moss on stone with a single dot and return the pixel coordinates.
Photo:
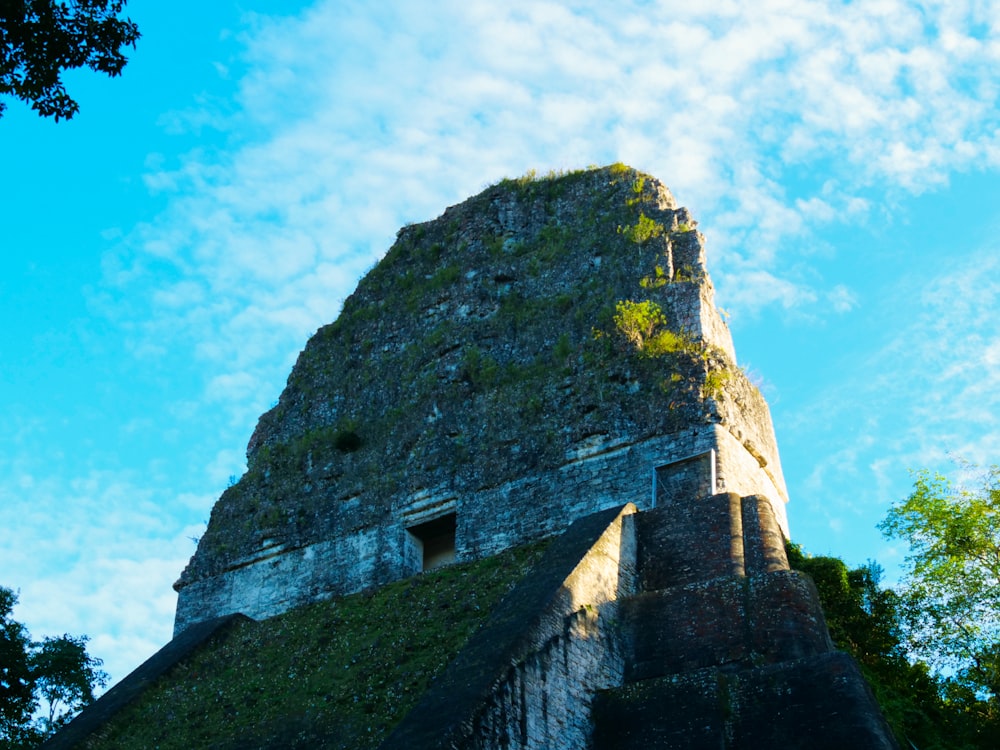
(339, 674)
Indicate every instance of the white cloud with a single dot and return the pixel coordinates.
(842, 299)
(760, 288)
(239, 386)
(104, 556)
(356, 119)
(927, 392)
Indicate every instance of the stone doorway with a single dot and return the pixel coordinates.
(435, 541)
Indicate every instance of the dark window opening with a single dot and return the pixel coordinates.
(436, 540)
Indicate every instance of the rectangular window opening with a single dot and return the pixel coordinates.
(436, 541)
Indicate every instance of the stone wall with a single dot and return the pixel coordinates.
(820, 703)
(693, 297)
(702, 639)
(376, 551)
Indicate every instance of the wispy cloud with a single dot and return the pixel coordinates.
(923, 392)
(357, 118)
(104, 554)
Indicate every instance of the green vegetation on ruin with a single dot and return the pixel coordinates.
(474, 326)
(336, 674)
(926, 710)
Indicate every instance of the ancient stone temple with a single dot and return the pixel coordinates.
(543, 351)
(545, 361)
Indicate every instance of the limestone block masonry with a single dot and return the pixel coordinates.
(639, 631)
(528, 677)
(677, 628)
(483, 378)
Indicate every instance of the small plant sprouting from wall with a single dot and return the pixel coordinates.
(667, 342)
(715, 380)
(637, 321)
(528, 177)
(643, 325)
(270, 517)
(563, 348)
(688, 273)
(638, 188)
(550, 182)
(478, 369)
(618, 169)
(552, 242)
(495, 245)
(655, 280)
(643, 230)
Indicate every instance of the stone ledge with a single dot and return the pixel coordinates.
(734, 621)
(524, 625)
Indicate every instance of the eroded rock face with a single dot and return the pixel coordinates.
(531, 356)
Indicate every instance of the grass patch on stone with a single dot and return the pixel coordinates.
(336, 674)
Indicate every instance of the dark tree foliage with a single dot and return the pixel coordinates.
(39, 39)
(926, 710)
(17, 695)
(57, 673)
(65, 676)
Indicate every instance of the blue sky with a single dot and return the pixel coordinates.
(166, 254)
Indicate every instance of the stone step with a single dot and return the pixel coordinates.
(818, 703)
(724, 621)
(706, 538)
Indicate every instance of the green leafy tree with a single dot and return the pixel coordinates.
(951, 588)
(65, 677)
(929, 650)
(865, 620)
(637, 321)
(642, 324)
(56, 673)
(39, 39)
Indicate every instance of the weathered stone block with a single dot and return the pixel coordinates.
(785, 618)
(690, 541)
(672, 712)
(685, 628)
(819, 703)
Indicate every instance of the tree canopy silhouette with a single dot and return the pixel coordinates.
(54, 674)
(39, 39)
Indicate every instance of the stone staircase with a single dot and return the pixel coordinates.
(677, 627)
(725, 647)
